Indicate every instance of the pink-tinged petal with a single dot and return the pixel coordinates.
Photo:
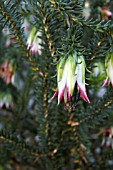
(112, 84)
(36, 47)
(62, 85)
(107, 132)
(60, 96)
(68, 92)
(34, 51)
(8, 79)
(105, 82)
(83, 95)
(109, 13)
(55, 94)
(81, 82)
(110, 72)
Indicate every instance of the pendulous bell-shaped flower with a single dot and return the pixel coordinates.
(108, 137)
(36, 47)
(34, 41)
(109, 69)
(7, 70)
(31, 37)
(69, 72)
(81, 78)
(106, 13)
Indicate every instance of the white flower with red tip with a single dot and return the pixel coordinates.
(81, 78)
(36, 47)
(6, 100)
(34, 41)
(31, 37)
(69, 72)
(109, 69)
(106, 13)
(108, 137)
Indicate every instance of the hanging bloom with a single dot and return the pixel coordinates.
(36, 47)
(109, 69)
(108, 137)
(34, 41)
(31, 37)
(69, 72)
(106, 13)
(7, 71)
(81, 78)
(6, 100)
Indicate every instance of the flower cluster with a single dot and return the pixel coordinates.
(7, 71)
(69, 72)
(108, 137)
(34, 41)
(109, 69)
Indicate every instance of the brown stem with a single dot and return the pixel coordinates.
(74, 125)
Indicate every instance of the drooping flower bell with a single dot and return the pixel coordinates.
(69, 72)
(36, 47)
(105, 13)
(7, 71)
(109, 69)
(31, 37)
(34, 41)
(6, 100)
(108, 137)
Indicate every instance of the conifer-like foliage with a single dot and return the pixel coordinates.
(53, 49)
